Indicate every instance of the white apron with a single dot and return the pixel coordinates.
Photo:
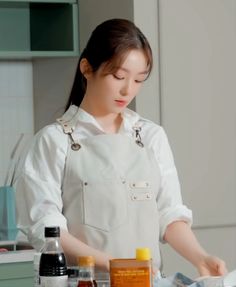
(113, 207)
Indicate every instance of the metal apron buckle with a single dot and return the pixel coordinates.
(138, 138)
(69, 130)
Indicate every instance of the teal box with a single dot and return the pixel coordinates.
(8, 228)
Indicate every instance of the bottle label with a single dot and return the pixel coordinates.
(54, 281)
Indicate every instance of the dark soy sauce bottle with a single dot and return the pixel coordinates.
(52, 266)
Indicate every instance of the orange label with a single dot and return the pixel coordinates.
(130, 277)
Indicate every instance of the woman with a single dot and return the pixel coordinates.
(103, 173)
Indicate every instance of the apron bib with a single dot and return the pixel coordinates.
(109, 195)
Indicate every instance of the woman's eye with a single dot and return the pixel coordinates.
(118, 77)
(139, 81)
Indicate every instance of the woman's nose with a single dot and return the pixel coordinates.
(126, 88)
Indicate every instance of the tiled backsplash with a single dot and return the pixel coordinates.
(16, 108)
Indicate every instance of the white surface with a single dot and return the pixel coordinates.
(198, 68)
(230, 279)
(16, 107)
(17, 256)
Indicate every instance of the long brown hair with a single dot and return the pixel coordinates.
(108, 45)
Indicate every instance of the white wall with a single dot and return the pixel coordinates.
(93, 12)
(52, 81)
(16, 107)
(198, 75)
(147, 103)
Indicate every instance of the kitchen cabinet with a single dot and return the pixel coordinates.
(38, 28)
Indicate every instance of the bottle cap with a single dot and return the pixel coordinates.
(143, 254)
(52, 231)
(86, 261)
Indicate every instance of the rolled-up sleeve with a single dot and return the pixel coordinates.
(38, 183)
(169, 199)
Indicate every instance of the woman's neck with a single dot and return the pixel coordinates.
(110, 122)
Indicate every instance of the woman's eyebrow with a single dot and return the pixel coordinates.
(127, 70)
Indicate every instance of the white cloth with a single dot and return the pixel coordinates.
(40, 174)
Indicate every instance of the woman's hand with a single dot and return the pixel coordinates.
(211, 266)
(180, 236)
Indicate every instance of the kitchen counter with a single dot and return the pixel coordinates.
(17, 256)
(16, 268)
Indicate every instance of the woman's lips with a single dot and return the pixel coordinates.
(120, 103)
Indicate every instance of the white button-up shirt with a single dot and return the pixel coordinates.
(40, 173)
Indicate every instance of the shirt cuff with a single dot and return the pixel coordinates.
(36, 232)
(169, 215)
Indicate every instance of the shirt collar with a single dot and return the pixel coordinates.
(76, 116)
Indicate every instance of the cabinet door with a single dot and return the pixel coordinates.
(198, 76)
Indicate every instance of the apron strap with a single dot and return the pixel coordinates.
(68, 129)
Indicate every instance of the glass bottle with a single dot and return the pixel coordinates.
(52, 266)
(86, 272)
(37, 256)
(73, 275)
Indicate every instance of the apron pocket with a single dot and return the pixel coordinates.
(105, 204)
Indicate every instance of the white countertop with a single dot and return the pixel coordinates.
(17, 256)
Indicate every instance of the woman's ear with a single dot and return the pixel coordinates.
(85, 68)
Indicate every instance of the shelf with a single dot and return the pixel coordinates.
(38, 29)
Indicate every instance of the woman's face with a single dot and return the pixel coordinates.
(111, 93)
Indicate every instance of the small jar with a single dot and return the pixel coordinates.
(86, 272)
(73, 275)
